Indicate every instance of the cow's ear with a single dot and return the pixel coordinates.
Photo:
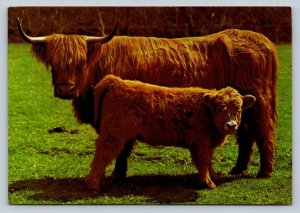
(208, 98)
(248, 101)
(90, 50)
(39, 51)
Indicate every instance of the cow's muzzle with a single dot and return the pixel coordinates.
(65, 90)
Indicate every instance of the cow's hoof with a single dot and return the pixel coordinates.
(264, 174)
(237, 171)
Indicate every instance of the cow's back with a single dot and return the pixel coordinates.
(232, 57)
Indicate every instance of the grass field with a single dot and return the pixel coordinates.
(47, 168)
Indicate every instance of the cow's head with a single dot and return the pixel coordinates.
(226, 106)
(67, 56)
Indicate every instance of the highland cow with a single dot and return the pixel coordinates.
(195, 118)
(242, 59)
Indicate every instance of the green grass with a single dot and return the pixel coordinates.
(50, 168)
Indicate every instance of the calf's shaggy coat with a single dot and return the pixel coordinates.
(195, 118)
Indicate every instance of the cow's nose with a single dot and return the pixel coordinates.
(65, 91)
(231, 124)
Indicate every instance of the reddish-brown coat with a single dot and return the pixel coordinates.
(242, 59)
(195, 118)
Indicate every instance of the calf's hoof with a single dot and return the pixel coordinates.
(118, 177)
(209, 185)
(92, 185)
(214, 176)
(212, 185)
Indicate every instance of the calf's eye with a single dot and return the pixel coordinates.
(221, 109)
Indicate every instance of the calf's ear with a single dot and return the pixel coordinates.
(208, 97)
(248, 101)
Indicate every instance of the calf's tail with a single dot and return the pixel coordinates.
(100, 92)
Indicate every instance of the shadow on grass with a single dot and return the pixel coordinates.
(160, 188)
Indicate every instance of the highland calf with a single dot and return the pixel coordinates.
(195, 118)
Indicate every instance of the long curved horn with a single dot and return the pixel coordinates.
(101, 40)
(29, 39)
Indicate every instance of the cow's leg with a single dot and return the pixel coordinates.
(201, 158)
(266, 147)
(245, 141)
(119, 173)
(265, 139)
(107, 148)
(257, 124)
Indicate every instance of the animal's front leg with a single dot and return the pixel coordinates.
(211, 170)
(201, 157)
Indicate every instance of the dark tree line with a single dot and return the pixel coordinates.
(274, 22)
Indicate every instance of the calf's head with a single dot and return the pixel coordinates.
(226, 106)
(67, 55)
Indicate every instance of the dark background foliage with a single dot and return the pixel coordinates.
(171, 22)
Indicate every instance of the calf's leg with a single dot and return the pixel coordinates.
(201, 158)
(107, 148)
(120, 170)
(211, 170)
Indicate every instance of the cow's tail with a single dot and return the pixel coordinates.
(274, 72)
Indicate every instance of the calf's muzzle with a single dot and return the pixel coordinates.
(231, 126)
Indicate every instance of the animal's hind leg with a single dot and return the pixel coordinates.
(257, 124)
(107, 148)
(265, 140)
(119, 173)
(245, 141)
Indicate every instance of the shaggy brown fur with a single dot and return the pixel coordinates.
(67, 56)
(196, 118)
(242, 59)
